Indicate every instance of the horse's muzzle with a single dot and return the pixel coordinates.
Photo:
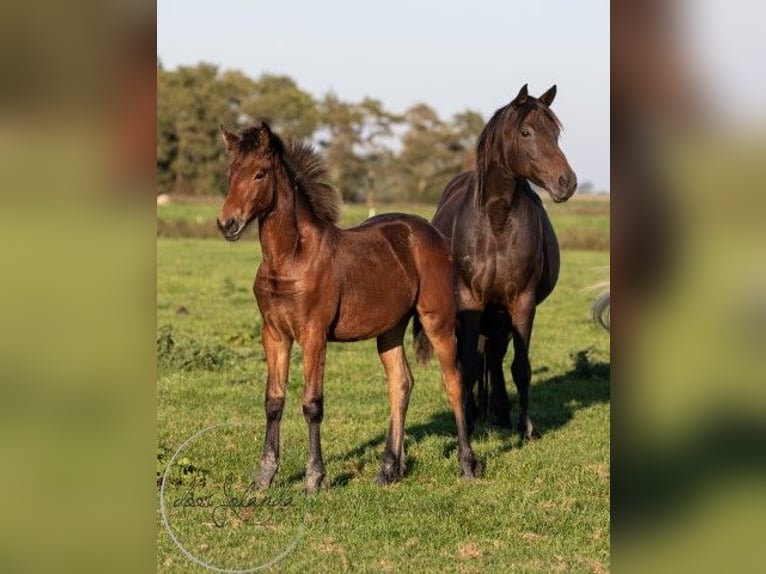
(231, 228)
(567, 185)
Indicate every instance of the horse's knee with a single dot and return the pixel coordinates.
(313, 410)
(274, 408)
(521, 371)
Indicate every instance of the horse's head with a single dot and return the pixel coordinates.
(530, 144)
(251, 178)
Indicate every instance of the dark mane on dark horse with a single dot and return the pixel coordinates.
(505, 250)
(492, 132)
(307, 170)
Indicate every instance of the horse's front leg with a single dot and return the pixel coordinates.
(495, 350)
(470, 361)
(277, 347)
(314, 351)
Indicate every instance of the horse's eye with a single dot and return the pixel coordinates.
(259, 175)
(525, 133)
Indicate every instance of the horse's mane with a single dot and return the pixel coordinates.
(493, 131)
(306, 168)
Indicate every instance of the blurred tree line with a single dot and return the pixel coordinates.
(371, 152)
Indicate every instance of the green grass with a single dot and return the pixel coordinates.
(539, 507)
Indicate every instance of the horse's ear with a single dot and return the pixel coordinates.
(521, 98)
(547, 97)
(265, 137)
(230, 139)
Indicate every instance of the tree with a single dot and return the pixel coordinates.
(366, 156)
(192, 103)
(279, 101)
(435, 151)
(167, 140)
(343, 122)
(376, 134)
(466, 128)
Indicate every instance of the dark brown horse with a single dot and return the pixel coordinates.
(504, 249)
(318, 283)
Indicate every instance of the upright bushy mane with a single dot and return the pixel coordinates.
(305, 167)
(309, 171)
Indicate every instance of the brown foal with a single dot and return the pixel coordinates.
(318, 283)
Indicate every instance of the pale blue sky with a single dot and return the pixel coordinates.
(452, 55)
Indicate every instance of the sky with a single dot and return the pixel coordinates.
(452, 55)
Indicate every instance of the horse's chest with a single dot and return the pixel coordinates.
(494, 268)
(281, 298)
(485, 274)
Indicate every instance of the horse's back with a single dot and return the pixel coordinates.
(410, 238)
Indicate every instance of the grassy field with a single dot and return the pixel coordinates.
(539, 507)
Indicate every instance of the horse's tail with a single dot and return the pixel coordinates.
(601, 311)
(423, 348)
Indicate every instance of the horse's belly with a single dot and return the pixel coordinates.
(367, 314)
(378, 284)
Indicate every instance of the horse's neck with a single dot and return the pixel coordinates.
(286, 227)
(498, 186)
(501, 194)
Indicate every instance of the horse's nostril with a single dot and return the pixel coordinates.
(226, 226)
(563, 181)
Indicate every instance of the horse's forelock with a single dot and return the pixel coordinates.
(258, 139)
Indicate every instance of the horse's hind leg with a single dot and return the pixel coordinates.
(399, 378)
(314, 352)
(440, 329)
(277, 348)
(522, 316)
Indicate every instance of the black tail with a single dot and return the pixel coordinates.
(423, 348)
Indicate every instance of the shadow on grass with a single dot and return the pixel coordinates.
(553, 403)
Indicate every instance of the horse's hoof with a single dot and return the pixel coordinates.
(263, 483)
(314, 476)
(525, 429)
(265, 475)
(471, 468)
(314, 482)
(387, 479)
(390, 473)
